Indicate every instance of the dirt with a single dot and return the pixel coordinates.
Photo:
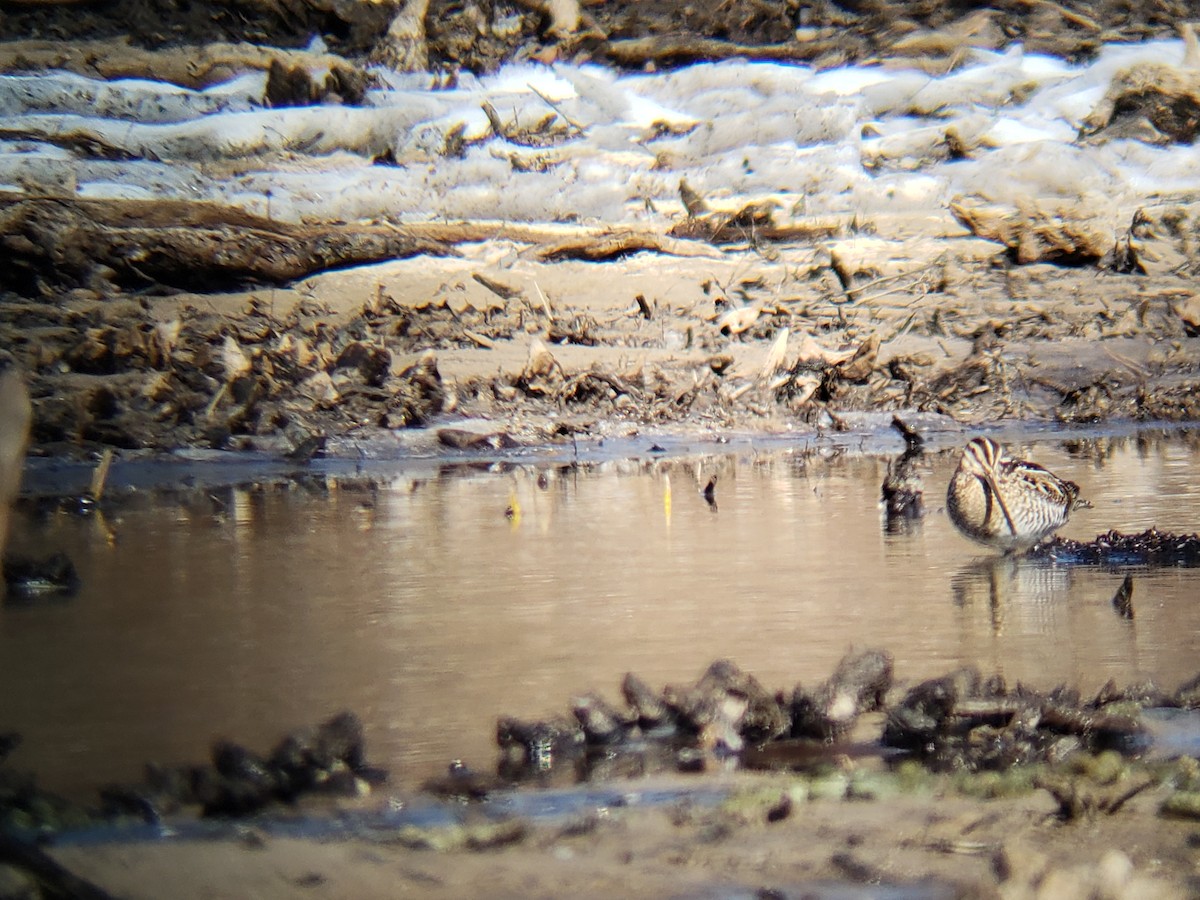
(969, 313)
(565, 349)
(936, 843)
(840, 33)
(547, 343)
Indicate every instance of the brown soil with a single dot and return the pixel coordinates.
(838, 33)
(1039, 320)
(919, 316)
(758, 844)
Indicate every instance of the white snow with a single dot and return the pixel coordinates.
(855, 140)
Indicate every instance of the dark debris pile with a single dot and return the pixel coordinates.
(204, 379)
(1150, 548)
(681, 728)
(958, 722)
(329, 758)
(633, 33)
(23, 807)
(726, 710)
(963, 721)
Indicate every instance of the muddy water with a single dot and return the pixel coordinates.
(422, 605)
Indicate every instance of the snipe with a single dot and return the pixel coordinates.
(1007, 503)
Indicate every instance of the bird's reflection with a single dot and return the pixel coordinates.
(903, 489)
(996, 582)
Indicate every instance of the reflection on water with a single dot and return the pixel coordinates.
(431, 604)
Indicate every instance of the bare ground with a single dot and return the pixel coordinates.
(914, 316)
(942, 843)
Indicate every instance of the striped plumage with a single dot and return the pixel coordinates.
(1007, 503)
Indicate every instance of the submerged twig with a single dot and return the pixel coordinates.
(100, 474)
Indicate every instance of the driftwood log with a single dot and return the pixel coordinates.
(198, 68)
(181, 244)
(68, 241)
(681, 49)
(56, 242)
(601, 247)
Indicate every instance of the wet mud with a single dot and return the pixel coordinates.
(115, 373)
(144, 324)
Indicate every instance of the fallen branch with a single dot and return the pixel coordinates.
(200, 67)
(746, 225)
(195, 246)
(600, 247)
(207, 246)
(675, 49)
(53, 879)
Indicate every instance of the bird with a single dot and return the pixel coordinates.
(1007, 503)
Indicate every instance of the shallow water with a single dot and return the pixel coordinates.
(418, 603)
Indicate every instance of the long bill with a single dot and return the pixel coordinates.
(991, 483)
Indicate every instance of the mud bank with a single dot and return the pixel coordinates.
(406, 344)
(882, 244)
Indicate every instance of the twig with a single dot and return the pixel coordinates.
(554, 106)
(493, 118)
(886, 279)
(545, 301)
(481, 340)
(499, 288)
(100, 474)
(217, 398)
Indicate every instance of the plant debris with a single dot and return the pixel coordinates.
(1149, 548)
(960, 722)
(330, 759)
